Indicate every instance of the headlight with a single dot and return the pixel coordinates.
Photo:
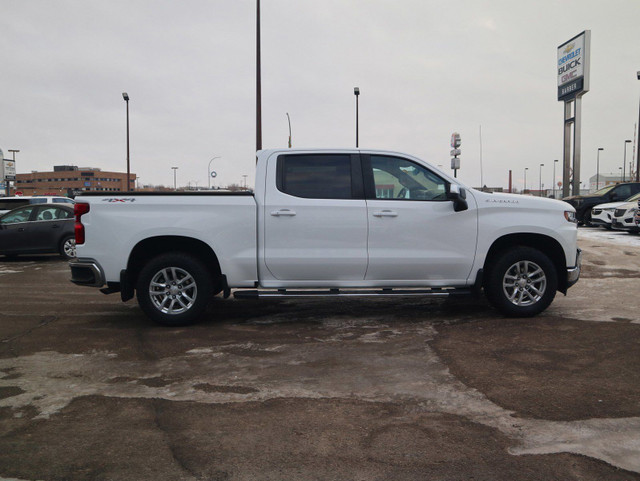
(570, 216)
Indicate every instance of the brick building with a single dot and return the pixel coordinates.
(68, 179)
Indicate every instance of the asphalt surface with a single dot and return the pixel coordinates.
(372, 389)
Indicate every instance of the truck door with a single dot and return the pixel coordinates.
(315, 218)
(414, 233)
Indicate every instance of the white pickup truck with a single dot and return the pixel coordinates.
(327, 223)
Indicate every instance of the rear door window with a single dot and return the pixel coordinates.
(52, 213)
(316, 176)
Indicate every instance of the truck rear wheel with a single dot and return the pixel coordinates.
(174, 289)
(522, 282)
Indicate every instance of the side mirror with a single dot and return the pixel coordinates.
(458, 196)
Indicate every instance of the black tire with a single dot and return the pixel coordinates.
(521, 282)
(174, 303)
(67, 247)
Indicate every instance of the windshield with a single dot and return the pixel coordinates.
(633, 198)
(604, 190)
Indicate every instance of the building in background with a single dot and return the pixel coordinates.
(69, 180)
(604, 180)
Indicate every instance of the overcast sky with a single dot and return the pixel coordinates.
(425, 69)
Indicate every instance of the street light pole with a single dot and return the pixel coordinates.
(624, 162)
(553, 185)
(540, 187)
(258, 84)
(174, 178)
(356, 92)
(125, 96)
(209, 170)
(525, 180)
(638, 142)
(598, 170)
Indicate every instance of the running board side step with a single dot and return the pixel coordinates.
(435, 292)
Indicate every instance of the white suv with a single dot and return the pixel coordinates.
(8, 203)
(602, 214)
(623, 218)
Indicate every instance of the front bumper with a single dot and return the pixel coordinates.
(573, 273)
(86, 272)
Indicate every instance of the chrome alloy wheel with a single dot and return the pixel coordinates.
(69, 248)
(524, 283)
(173, 290)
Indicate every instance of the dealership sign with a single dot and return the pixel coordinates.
(8, 169)
(573, 67)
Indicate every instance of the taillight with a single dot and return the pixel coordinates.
(79, 209)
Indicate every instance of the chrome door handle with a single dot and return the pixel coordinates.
(285, 212)
(385, 213)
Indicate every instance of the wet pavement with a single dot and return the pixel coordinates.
(366, 389)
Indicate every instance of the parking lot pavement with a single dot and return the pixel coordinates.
(376, 389)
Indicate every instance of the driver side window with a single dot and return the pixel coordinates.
(401, 179)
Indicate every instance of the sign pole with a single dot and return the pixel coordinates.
(577, 134)
(566, 159)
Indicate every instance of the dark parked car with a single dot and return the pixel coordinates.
(611, 193)
(38, 229)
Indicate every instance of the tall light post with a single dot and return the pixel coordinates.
(125, 96)
(258, 84)
(174, 178)
(624, 162)
(598, 169)
(638, 142)
(7, 182)
(289, 119)
(209, 170)
(553, 184)
(540, 188)
(525, 180)
(356, 92)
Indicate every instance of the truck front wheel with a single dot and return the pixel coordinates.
(521, 282)
(174, 289)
